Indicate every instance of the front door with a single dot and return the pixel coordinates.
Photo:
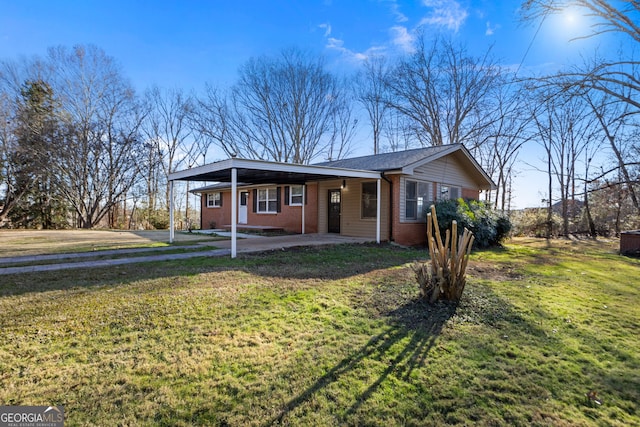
(334, 211)
(242, 208)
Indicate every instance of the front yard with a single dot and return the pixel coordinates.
(330, 336)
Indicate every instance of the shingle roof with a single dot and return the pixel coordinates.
(387, 161)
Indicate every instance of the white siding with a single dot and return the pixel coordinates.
(446, 170)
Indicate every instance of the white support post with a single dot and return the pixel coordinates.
(171, 203)
(234, 211)
(304, 200)
(378, 211)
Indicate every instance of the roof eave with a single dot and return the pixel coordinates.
(262, 165)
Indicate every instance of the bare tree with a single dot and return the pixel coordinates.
(282, 108)
(213, 122)
(616, 77)
(565, 130)
(342, 129)
(508, 132)
(371, 94)
(615, 118)
(100, 160)
(169, 131)
(399, 131)
(444, 90)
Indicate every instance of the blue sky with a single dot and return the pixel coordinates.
(186, 44)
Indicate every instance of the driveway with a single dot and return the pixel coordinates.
(140, 255)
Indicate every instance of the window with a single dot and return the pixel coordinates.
(369, 199)
(214, 200)
(295, 195)
(447, 192)
(267, 200)
(416, 198)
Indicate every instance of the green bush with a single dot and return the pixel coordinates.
(159, 220)
(489, 227)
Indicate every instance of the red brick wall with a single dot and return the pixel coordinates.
(404, 233)
(468, 193)
(221, 215)
(289, 218)
(412, 233)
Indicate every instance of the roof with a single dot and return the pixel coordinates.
(391, 161)
(265, 172)
(368, 167)
(406, 161)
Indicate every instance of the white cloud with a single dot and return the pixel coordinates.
(395, 9)
(402, 38)
(338, 45)
(445, 13)
(327, 29)
(491, 29)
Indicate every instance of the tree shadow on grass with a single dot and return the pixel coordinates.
(416, 320)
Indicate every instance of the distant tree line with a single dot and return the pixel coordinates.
(79, 147)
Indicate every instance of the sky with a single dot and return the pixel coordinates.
(187, 44)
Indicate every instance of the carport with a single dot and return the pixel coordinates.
(249, 171)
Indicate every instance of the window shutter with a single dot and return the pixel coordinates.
(304, 191)
(286, 194)
(221, 194)
(278, 199)
(255, 200)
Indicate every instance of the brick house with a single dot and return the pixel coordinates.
(381, 196)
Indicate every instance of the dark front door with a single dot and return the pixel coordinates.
(334, 211)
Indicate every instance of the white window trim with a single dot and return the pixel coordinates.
(291, 195)
(269, 192)
(429, 199)
(211, 202)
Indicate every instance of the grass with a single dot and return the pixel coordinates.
(330, 336)
(44, 242)
(178, 248)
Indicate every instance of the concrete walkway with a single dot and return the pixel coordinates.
(223, 248)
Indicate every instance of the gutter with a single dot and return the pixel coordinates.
(391, 239)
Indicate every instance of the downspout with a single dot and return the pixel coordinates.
(201, 224)
(390, 206)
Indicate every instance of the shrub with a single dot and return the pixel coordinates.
(159, 220)
(489, 226)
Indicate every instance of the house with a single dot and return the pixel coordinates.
(381, 196)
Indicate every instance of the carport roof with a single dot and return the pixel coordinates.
(264, 172)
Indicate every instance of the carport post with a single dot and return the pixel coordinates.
(378, 212)
(234, 211)
(304, 191)
(171, 230)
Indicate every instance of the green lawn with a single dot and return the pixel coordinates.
(330, 336)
